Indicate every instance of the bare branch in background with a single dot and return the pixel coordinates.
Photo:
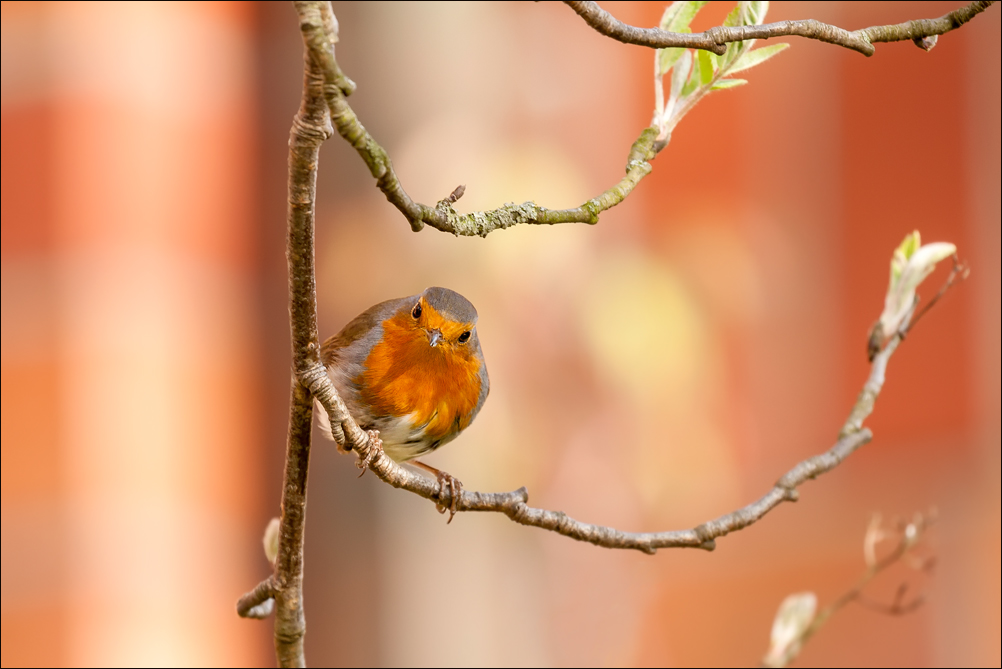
(796, 621)
(960, 270)
(921, 31)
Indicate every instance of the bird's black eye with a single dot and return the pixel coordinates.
(416, 311)
(465, 337)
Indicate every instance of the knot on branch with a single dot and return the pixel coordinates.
(642, 149)
(790, 494)
(705, 536)
(289, 637)
(315, 378)
(312, 131)
(718, 34)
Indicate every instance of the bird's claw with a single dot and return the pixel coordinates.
(446, 482)
(375, 448)
(455, 488)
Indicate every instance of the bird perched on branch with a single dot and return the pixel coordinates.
(411, 368)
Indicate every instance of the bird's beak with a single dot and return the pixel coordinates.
(434, 336)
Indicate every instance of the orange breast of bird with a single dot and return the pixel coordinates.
(437, 386)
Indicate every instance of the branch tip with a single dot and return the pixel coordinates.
(259, 602)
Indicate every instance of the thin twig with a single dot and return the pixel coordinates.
(785, 648)
(905, 544)
(610, 26)
(259, 602)
(897, 608)
(920, 31)
(960, 270)
(442, 216)
(514, 504)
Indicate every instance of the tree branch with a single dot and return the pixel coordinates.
(324, 99)
(442, 216)
(480, 223)
(607, 24)
(310, 128)
(259, 602)
(921, 31)
(514, 504)
(804, 624)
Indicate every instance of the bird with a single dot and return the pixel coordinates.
(411, 368)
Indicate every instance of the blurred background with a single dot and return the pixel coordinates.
(652, 372)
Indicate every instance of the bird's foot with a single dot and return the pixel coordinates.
(375, 448)
(450, 489)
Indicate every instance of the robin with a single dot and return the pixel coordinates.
(412, 369)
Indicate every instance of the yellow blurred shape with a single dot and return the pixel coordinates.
(643, 329)
(653, 344)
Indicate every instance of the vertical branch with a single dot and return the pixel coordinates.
(310, 128)
(287, 582)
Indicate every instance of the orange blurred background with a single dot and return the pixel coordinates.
(652, 372)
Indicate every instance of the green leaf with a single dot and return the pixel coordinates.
(911, 244)
(755, 12)
(715, 61)
(680, 73)
(705, 67)
(732, 54)
(732, 18)
(728, 83)
(667, 58)
(671, 11)
(679, 15)
(694, 78)
(756, 57)
(903, 253)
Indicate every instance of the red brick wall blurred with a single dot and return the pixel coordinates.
(129, 333)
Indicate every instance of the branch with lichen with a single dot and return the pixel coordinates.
(923, 32)
(443, 216)
(482, 222)
(796, 621)
(727, 43)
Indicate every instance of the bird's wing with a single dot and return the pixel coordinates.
(366, 323)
